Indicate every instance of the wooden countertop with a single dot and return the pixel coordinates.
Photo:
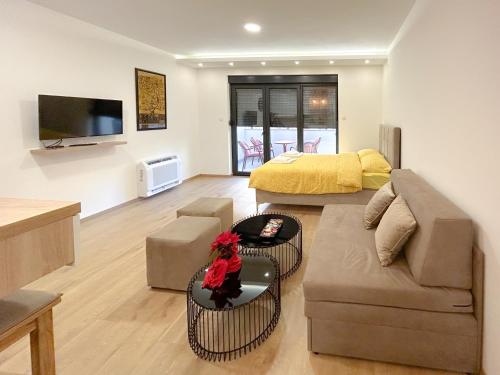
(22, 215)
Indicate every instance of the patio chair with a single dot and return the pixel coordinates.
(249, 152)
(259, 146)
(312, 147)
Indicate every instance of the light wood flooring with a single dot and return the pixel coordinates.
(110, 322)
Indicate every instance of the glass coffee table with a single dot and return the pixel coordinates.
(285, 247)
(233, 319)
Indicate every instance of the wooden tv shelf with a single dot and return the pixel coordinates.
(44, 150)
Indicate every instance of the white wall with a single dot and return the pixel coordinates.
(360, 109)
(46, 52)
(441, 86)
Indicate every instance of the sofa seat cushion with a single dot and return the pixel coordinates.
(343, 266)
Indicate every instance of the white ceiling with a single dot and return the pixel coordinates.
(197, 29)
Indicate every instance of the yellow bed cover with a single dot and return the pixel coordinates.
(311, 174)
(375, 181)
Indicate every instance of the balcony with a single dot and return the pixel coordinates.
(250, 148)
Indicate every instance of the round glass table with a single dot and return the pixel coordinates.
(285, 246)
(229, 321)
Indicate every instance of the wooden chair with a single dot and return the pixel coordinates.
(249, 152)
(30, 312)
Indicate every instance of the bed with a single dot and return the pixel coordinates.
(389, 147)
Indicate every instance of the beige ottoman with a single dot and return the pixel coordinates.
(177, 251)
(211, 207)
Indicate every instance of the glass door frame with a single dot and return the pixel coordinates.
(266, 83)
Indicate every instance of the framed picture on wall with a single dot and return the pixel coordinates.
(151, 100)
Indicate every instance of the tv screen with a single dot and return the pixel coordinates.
(69, 117)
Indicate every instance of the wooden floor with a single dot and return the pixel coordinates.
(110, 322)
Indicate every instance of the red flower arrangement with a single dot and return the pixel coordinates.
(224, 252)
(214, 278)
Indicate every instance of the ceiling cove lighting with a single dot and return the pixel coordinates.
(291, 55)
(252, 27)
(367, 61)
(331, 62)
(230, 63)
(200, 65)
(263, 63)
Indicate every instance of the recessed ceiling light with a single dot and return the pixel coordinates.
(252, 27)
(297, 62)
(331, 62)
(200, 65)
(367, 61)
(262, 63)
(231, 63)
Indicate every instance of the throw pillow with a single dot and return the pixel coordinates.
(396, 226)
(377, 205)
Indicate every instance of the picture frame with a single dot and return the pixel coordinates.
(151, 100)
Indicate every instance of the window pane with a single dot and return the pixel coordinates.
(320, 141)
(283, 114)
(249, 119)
(320, 106)
(283, 111)
(249, 107)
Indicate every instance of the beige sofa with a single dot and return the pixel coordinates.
(424, 310)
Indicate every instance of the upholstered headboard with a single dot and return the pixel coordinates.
(390, 144)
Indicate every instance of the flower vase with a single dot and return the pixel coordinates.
(233, 275)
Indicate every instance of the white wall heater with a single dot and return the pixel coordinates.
(158, 174)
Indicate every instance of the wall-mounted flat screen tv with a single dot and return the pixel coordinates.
(70, 117)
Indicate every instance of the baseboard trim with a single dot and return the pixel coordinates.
(107, 210)
(121, 205)
(214, 175)
(192, 177)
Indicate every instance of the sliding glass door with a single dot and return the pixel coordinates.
(269, 119)
(248, 146)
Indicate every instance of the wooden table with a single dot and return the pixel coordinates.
(36, 238)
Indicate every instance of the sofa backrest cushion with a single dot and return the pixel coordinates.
(439, 253)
